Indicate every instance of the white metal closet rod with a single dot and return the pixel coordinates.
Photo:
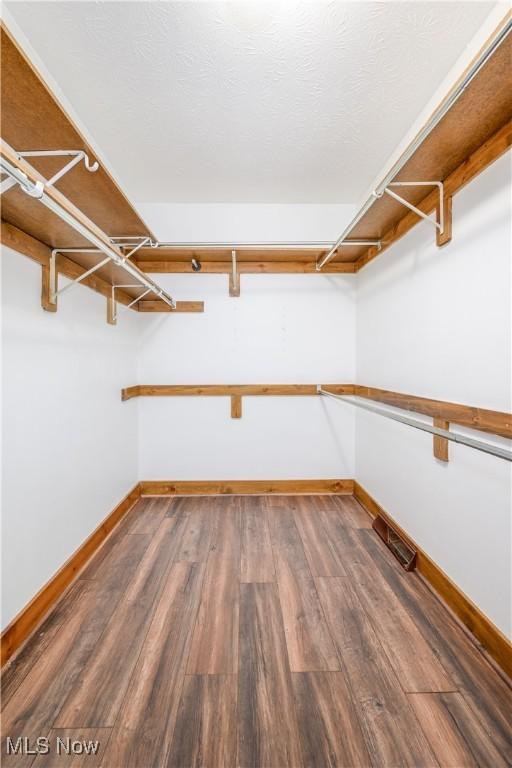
(438, 115)
(455, 437)
(37, 190)
(263, 246)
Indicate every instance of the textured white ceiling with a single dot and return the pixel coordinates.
(247, 101)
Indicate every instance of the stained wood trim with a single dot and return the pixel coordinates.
(477, 162)
(26, 621)
(30, 80)
(258, 487)
(446, 236)
(493, 640)
(19, 241)
(481, 419)
(161, 306)
(46, 289)
(441, 443)
(227, 390)
(236, 407)
(245, 267)
(33, 175)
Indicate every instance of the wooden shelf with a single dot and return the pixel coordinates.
(480, 419)
(32, 119)
(472, 135)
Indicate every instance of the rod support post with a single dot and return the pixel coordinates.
(234, 277)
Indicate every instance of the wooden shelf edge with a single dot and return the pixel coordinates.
(475, 164)
(480, 419)
(229, 390)
(26, 245)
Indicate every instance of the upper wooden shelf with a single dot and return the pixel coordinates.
(32, 119)
(473, 133)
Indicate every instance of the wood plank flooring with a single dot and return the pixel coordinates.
(252, 632)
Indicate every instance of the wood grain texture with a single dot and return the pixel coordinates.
(144, 729)
(413, 660)
(482, 419)
(494, 641)
(441, 443)
(324, 557)
(456, 735)
(118, 644)
(195, 542)
(353, 514)
(162, 306)
(329, 727)
(65, 750)
(310, 647)
(236, 406)
(26, 621)
(15, 238)
(33, 707)
(21, 664)
(257, 560)
(214, 644)
(150, 520)
(97, 695)
(32, 117)
(236, 487)
(393, 225)
(267, 726)
(228, 390)
(205, 733)
(165, 264)
(392, 733)
(46, 290)
(489, 695)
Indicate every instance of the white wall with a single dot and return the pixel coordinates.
(284, 329)
(436, 322)
(69, 443)
(239, 223)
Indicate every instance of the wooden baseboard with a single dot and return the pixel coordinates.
(488, 635)
(261, 487)
(33, 613)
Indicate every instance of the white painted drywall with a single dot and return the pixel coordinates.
(248, 101)
(436, 322)
(69, 443)
(242, 223)
(283, 329)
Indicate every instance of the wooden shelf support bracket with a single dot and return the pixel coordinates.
(441, 443)
(236, 406)
(444, 237)
(439, 221)
(49, 286)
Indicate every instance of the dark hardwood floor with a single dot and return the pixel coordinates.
(252, 632)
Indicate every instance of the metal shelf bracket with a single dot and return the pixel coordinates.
(112, 307)
(234, 277)
(439, 220)
(78, 156)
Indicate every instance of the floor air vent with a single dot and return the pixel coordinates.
(405, 555)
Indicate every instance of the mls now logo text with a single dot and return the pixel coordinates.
(23, 745)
